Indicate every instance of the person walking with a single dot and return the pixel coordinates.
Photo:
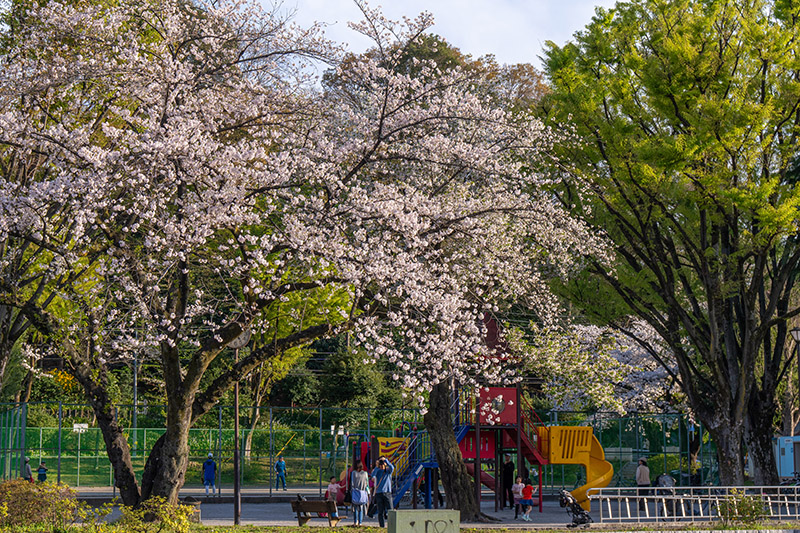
(642, 480)
(280, 471)
(527, 500)
(27, 473)
(359, 491)
(383, 489)
(209, 473)
(508, 483)
(41, 472)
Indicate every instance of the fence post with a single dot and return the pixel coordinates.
(680, 451)
(664, 434)
(271, 454)
(320, 451)
(60, 426)
(702, 459)
(3, 444)
(219, 454)
(78, 480)
(23, 424)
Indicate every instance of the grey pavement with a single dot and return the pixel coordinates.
(280, 514)
(261, 509)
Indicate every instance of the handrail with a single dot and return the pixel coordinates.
(528, 425)
(695, 504)
(461, 408)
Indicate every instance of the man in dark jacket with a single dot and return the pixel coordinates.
(508, 482)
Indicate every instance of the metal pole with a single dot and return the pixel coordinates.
(219, 454)
(680, 452)
(237, 494)
(664, 434)
(320, 451)
(135, 401)
(6, 447)
(346, 460)
(478, 450)
(271, 453)
(702, 459)
(78, 478)
(60, 425)
(23, 425)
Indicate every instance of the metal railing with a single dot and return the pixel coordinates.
(532, 425)
(694, 504)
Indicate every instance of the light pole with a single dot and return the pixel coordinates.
(795, 332)
(237, 343)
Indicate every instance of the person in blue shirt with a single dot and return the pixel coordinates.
(383, 488)
(42, 471)
(209, 473)
(280, 471)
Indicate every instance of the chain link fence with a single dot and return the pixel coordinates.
(312, 444)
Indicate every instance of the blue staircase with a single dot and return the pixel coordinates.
(420, 456)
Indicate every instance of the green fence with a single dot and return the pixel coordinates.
(662, 439)
(74, 451)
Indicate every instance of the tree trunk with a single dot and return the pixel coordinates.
(458, 484)
(334, 450)
(248, 441)
(790, 414)
(758, 437)
(694, 450)
(119, 453)
(728, 438)
(24, 394)
(165, 470)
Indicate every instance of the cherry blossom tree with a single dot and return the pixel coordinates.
(600, 368)
(192, 152)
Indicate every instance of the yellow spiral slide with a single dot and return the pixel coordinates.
(578, 445)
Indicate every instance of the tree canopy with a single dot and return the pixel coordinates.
(686, 115)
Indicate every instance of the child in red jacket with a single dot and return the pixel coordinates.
(527, 500)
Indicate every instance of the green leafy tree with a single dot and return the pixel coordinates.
(687, 114)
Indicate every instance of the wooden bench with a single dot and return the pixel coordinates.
(304, 508)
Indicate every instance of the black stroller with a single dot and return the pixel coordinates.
(577, 513)
(665, 486)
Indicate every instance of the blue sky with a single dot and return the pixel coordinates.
(513, 30)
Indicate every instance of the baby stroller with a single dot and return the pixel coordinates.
(666, 487)
(574, 510)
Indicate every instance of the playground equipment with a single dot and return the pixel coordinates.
(504, 424)
(578, 445)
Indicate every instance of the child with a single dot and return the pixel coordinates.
(516, 489)
(42, 471)
(527, 500)
(333, 492)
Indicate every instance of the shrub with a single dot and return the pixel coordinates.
(156, 515)
(47, 504)
(741, 508)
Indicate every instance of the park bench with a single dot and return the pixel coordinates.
(305, 508)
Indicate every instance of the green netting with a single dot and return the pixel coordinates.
(309, 441)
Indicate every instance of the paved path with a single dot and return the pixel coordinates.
(280, 514)
(259, 509)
